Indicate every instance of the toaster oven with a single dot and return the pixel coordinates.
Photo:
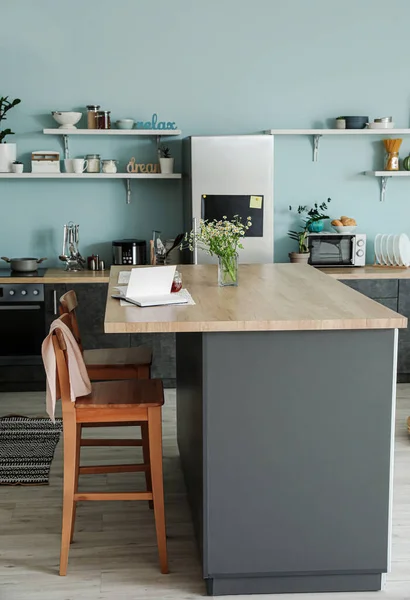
(337, 249)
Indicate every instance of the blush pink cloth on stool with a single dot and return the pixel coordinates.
(80, 384)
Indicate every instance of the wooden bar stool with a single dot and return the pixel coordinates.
(106, 364)
(109, 402)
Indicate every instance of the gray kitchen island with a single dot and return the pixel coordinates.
(285, 412)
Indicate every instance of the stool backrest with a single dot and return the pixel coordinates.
(60, 350)
(68, 305)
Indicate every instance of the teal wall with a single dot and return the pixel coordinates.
(214, 67)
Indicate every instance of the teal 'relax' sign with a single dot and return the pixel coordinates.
(155, 124)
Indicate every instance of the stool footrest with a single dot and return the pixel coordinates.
(96, 496)
(97, 469)
(110, 442)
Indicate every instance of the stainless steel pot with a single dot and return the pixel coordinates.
(24, 265)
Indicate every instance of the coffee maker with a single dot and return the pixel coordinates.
(129, 252)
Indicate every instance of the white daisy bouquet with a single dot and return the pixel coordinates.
(222, 239)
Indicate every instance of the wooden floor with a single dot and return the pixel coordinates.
(114, 555)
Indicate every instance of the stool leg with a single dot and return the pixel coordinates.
(76, 476)
(70, 430)
(155, 451)
(145, 453)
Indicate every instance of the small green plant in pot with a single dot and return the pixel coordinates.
(165, 160)
(7, 151)
(312, 222)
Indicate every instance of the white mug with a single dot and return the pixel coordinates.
(68, 165)
(79, 165)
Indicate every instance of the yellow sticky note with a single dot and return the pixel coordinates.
(255, 202)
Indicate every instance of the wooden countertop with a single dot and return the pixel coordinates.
(61, 276)
(368, 272)
(271, 297)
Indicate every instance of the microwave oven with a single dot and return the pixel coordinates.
(337, 249)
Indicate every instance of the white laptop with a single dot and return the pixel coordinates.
(150, 286)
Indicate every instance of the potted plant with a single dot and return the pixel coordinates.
(340, 123)
(7, 151)
(313, 222)
(222, 239)
(303, 254)
(314, 217)
(165, 160)
(17, 167)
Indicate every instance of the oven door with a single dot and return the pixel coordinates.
(330, 250)
(21, 328)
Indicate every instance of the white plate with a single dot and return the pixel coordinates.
(383, 249)
(404, 248)
(396, 250)
(377, 251)
(389, 248)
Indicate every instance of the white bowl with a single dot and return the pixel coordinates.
(67, 119)
(383, 125)
(345, 228)
(125, 123)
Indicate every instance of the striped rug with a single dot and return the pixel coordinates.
(27, 448)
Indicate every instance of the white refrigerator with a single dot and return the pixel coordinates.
(231, 175)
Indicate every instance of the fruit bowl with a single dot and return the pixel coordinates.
(66, 119)
(345, 228)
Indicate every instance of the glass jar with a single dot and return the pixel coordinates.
(392, 161)
(109, 165)
(94, 163)
(177, 283)
(104, 119)
(92, 115)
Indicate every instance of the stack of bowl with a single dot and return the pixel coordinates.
(382, 123)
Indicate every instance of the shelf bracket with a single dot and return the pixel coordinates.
(66, 147)
(128, 192)
(383, 186)
(316, 139)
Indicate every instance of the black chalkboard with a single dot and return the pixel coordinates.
(218, 206)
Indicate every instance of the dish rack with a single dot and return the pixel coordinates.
(392, 251)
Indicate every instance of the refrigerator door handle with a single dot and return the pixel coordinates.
(195, 251)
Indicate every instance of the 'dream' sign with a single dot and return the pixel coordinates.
(155, 124)
(134, 167)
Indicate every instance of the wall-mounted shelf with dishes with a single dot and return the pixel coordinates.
(384, 177)
(316, 134)
(157, 134)
(84, 176)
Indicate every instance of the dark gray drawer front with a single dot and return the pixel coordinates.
(163, 352)
(374, 288)
(388, 302)
(403, 362)
(404, 307)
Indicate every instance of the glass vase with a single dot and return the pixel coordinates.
(228, 270)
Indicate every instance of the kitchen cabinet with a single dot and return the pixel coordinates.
(92, 298)
(163, 350)
(395, 294)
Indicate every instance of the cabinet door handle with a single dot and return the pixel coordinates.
(55, 301)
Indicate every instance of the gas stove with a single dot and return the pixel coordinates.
(9, 273)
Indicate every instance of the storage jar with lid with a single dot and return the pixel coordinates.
(92, 115)
(104, 119)
(109, 165)
(94, 163)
